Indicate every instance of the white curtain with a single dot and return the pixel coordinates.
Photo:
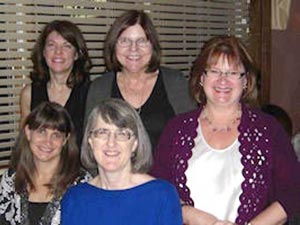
(280, 14)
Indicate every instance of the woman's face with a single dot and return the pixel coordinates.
(223, 90)
(46, 144)
(59, 54)
(112, 147)
(133, 50)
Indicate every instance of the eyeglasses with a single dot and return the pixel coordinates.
(233, 75)
(127, 42)
(104, 134)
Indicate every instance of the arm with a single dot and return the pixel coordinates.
(68, 216)
(273, 215)
(193, 216)
(25, 101)
(171, 210)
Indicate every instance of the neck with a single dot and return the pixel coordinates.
(58, 79)
(114, 181)
(45, 170)
(221, 120)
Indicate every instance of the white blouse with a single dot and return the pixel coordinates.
(214, 177)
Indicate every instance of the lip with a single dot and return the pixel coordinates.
(222, 89)
(46, 149)
(133, 57)
(111, 153)
(57, 60)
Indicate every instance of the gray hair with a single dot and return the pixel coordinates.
(122, 115)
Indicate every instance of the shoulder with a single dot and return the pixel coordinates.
(163, 185)
(170, 71)
(185, 119)
(26, 91)
(8, 178)
(77, 190)
(255, 118)
(108, 76)
(9, 199)
(172, 75)
(83, 176)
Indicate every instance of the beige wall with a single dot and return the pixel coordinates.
(285, 71)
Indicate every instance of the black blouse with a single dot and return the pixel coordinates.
(155, 112)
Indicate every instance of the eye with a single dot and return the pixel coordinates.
(124, 41)
(41, 130)
(234, 73)
(142, 41)
(214, 72)
(58, 135)
(68, 46)
(49, 44)
(100, 132)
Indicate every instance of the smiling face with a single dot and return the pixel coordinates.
(223, 91)
(59, 54)
(134, 58)
(110, 154)
(45, 144)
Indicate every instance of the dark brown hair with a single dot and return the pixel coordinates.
(234, 50)
(128, 19)
(46, 115)
(73, 35)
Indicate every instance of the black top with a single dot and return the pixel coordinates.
(156, 111)
(75, 104)
(36, 211)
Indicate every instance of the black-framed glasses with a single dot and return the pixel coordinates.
(233, 75)
(127, 42)
(119, 135)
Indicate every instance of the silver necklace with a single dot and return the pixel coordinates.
(224, 128)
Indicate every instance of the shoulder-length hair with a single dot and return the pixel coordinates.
(234, 50)
(71, 33)
(53, 116)
(119, 113)
(128, 19)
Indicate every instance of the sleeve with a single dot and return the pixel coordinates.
(171, 212)
(163, 155)
(69, 215)
(286, 171)
(91, 99)
(9, 206)
(178, 91)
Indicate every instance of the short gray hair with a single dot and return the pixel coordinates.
(122, 115)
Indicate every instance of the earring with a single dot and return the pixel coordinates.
(201, 84)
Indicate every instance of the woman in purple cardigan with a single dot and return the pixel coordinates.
(230, 163)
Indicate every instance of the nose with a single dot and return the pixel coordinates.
(49, 140)
(58, 49)
(111, 139)
(133, 46)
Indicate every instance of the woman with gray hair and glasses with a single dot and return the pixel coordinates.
(116, 144)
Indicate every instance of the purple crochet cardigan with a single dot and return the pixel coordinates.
(270, 167)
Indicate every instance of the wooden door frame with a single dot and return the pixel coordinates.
(260, 44)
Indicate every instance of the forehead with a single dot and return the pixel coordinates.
(134, 31)
(100, 123)
(55, 36)
(224, 60)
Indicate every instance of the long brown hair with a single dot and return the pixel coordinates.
(234, 50)
(71, 33)
(46, 115)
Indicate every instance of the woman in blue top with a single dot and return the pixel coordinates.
(116, 144)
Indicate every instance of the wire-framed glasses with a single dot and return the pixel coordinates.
(215, 73)
(119, 135)
(127, 42)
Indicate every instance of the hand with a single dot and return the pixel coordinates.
(223, 222)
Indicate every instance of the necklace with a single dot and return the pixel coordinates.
(220, 128)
